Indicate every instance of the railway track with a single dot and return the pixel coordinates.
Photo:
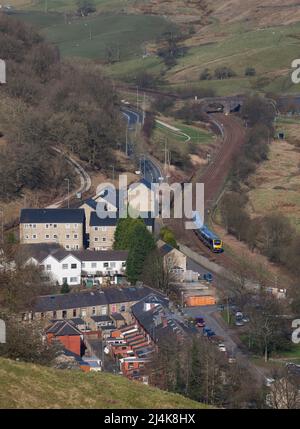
(232, 136)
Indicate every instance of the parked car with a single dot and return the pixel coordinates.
(245, 319)
(200, 322)
(208, 332)
(239, 315)
(269, 381)
(222, 347)
(208, 277)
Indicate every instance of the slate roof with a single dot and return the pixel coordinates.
(141, 182)
(117, 316)
(63, 328)
(165, 249)
(38, 251)
(113, 295)
(153, 320)
(101, 255)
(103, 318)
(52, 216)
(41, 251)
(112, 219)
(91, 203)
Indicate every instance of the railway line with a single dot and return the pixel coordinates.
(232, 135)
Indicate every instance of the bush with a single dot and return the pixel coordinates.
(250, 71)
(205, 75)
(224, 73)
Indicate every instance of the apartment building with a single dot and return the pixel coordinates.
(102, 231)
(65, 227)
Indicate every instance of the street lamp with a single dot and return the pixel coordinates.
(68, 180)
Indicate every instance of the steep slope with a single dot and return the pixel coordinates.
(32, 386)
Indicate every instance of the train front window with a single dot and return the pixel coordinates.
(217, 243)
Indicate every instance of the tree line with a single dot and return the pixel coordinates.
(48, 102)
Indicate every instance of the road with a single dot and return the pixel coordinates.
(85, 180)
(214, 321)
(150, 168)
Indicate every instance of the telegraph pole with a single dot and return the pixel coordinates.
(144, 108)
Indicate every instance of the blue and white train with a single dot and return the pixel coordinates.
(209, 238)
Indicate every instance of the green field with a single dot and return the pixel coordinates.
(91, 37)
(198, 135)
(270, 50)
(32, 386)
(68, 5)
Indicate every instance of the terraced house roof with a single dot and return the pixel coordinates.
(52, 216)
(112, 295)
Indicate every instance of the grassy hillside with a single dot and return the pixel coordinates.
(263, 34)
(90, 37)
(31, 386)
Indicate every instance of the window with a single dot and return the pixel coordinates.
(106, 265)
(55, 236)
(112, 265)
(123, 264)
(54, 314)
(67, 247)
(96, 238)
(74, 280)
(34, 236)
(103, 228)
(103, 239)
(94, 265)
(47, 236)
(64, 314)
(76, 247)
(75, 236)
(73, 266)
(75, 313)
(67, 236)
(65, 279)
(27, 237)
(75, 225)
(96, 228)
(123, 308)
(94, 311)
(48, 267)
(47, 226)
(83, 265)
(54, 225)
(65, 266)
(68, 226)
(33, 225)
